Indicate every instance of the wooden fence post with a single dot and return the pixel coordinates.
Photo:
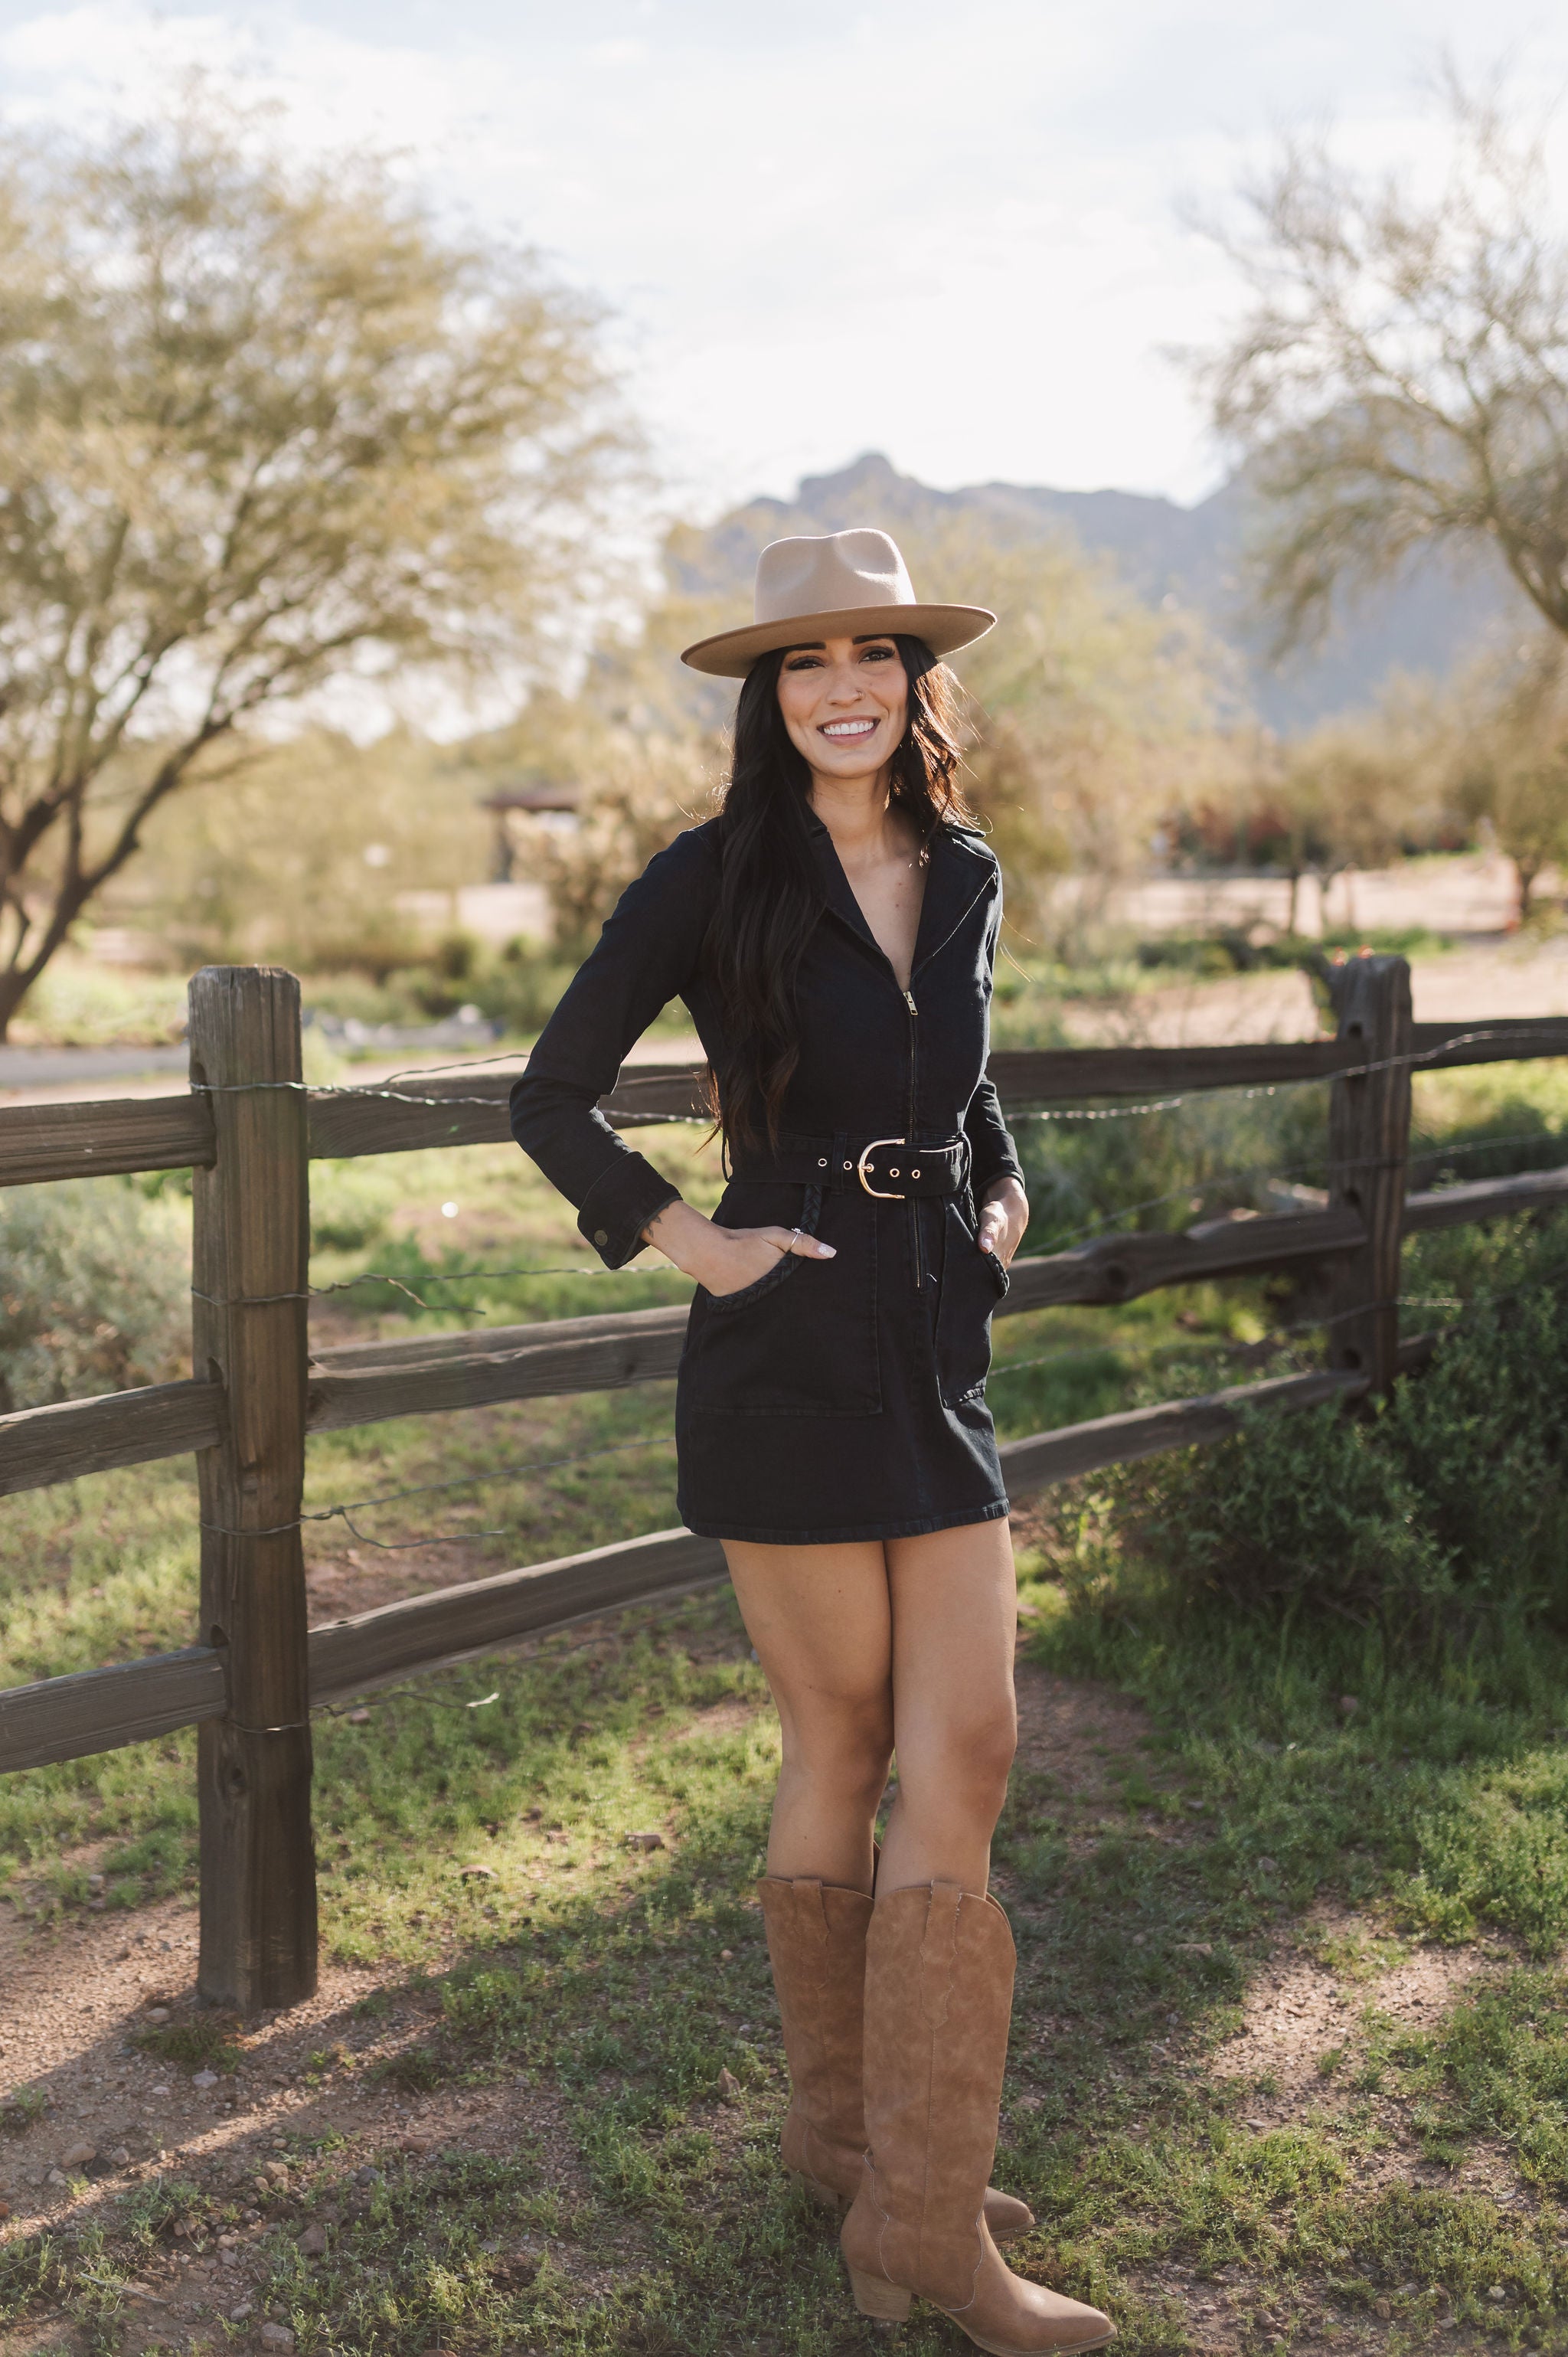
(249, 1271)
(1369, 1151)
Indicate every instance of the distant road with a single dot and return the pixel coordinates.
(42, 1073)
(42, 1068)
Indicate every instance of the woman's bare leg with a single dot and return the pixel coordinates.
(955, 1619)
(820, 1619)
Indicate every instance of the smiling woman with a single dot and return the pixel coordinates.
(832, 934)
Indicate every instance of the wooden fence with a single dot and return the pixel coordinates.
(249, 1128)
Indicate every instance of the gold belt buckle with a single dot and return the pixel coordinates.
(882, 1194)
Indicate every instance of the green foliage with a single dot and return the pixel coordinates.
(1234, 949)
(517, 986)
(1447, 1502)
(416, 2071)
(411, 490)
(93, 1291)
(21, 2107)
(351, 1204)
(205, 2043)
(1167, 1167)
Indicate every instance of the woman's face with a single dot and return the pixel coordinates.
(844, 705)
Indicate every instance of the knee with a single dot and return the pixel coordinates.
(849, 1744)
(984, 1760)
(969, 1767)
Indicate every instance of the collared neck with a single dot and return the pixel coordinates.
(956, 876)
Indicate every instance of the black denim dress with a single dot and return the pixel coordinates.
(836, 1399)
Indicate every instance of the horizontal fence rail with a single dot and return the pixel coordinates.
(261, 1392)
(373, 1382)
(172, 1133)
(101, 1710)
(106, 1140)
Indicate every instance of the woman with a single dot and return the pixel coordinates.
(832, 934)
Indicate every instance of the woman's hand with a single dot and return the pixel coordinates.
(1003, 1216)
(726, 1260)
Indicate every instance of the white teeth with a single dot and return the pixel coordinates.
(848, 727)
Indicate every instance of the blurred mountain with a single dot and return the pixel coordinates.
(1428, 620)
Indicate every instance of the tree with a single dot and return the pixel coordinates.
(1399, 380)
(265, 429)
(1094, 715)
(1088, 716)
(304, 854)
(1506, 742)
(1342, 794)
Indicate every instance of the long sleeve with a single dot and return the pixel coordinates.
(992, 1153)
(645, 956)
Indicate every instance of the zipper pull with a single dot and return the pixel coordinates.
(909, 1002)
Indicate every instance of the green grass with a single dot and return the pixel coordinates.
(1287, 1786)
(602, 1982)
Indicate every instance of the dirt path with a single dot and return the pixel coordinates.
(78, 1993)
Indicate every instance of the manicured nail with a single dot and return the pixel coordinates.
(827, 1252)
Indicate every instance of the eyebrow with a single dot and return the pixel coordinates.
(819, 646)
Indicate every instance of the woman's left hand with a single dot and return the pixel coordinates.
(1003, 1216)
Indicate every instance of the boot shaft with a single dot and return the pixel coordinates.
(940, 1967)
(816, 1944)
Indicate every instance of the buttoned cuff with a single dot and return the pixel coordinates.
(620, 1203)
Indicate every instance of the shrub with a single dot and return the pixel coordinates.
(351, 1205)
(206, 2042)
(1162, 1169)
(1448, 1503)
(94, 1294)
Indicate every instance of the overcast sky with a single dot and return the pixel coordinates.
(947, 232)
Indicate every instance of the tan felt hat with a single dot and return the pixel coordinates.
(843, 585)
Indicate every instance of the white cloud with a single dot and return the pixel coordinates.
(947, 234)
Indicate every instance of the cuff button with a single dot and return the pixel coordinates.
(601, 1235)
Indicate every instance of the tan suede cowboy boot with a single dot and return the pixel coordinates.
(938, 1995)
(816, 1941)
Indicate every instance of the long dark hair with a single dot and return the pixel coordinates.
(771, 895)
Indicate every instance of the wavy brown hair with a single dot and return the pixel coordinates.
(770, 896)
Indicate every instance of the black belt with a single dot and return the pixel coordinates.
(889, 1167)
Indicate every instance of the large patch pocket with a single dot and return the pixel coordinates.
(803, 1340)
(973, 1281)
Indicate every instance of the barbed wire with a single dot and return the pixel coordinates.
(1479, 1037)
(350, 1506)
(1058, 1240)
(360, 1709)
(1190, 1187)
(1279, 1337)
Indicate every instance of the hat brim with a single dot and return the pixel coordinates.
(944, 628)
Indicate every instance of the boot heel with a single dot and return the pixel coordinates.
(874, 2296)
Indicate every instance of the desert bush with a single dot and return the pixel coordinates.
(93, 1291)
(1444, 1505)
(351, 1204)
(1167, 1167)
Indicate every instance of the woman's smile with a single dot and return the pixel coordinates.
(819, 686)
